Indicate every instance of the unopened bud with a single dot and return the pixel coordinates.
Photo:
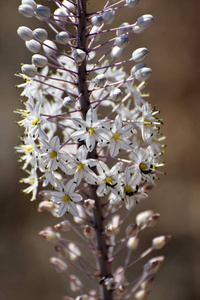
(49, 47)
(46, 205)
(160, 241)
(94, 33)
(29, 70)
(116, 95)
(117, 52)
(70, 7)
(75, 283)
(25, 33)
(26, 10)
(40, 34)
(31, 3)
(79, 55)
(42, 12)
(132, 3)
(122, 41)
(81, 214)
(49, 234)
(143, 74)
(97, 20)
(122, 289)
(133, 242)
(33, 46)
(142, 23)
(108, 16)
(139, 54)
(82, 297)
(39, 60)
(62, 37)
(131, 229)
(152, 220)
(153, 265)
(64, 226)
(89, 204)
(146, 284)
(60, 15)
(123, 29)
(58, 263)
(74, 251)
(100, 80)
(141, 295)
(88, 232)
(69, 101)
(136, 68)
(142, 218)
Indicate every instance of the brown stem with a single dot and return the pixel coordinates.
(102, 256)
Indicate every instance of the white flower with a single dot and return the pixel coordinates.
(32, 179)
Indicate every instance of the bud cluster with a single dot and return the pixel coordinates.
(92, 139)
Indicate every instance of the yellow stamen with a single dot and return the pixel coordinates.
(35, 121)
(128, 189)
(143, 166)
(147, 122)
(79, 166)
(53, 154)
(27, 147)
(116, 136)
(108, 180)
(90, 130)
(66, 198)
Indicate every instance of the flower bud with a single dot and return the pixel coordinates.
(49, 234)
(152, 220)
(75, 283)
(94, 33)
(123, 30)
(33, 46)
(100, 80)
(70, 7)
(79, 55)
(81, 214)
(82, 297)
(31, 3)
(29, 70)
(69, 101)
(132, 3)
(25, 33)
(142, 218)
(64, 226)
(62, 37)
(142, 23)
(49, 47)
(40, 34)
(74, 251)
(160, 241)
(143, 74)
(153, 265)
(139, 54)
(97, 20)
(133, 242)
(42, 12)
(108, 16)
(116, 52)
(26, 10)
(116, 95)
(122, 41)
(46, 205)
(89, 204)
(58, 263)
(131, 229)
(39, 60)
(141, 295)
(146, 284)
(137, 67)
(60, 16)
(88, 232)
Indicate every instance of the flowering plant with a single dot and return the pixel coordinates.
(91, 141)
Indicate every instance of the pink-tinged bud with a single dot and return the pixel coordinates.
(62, 37)
(49, 234)
(160, 241)
(49, 47)
(40, 34)
(26, 10)
(31, 3)
(39, 60)
(64, 226)
(60, 265)
(108, 16)
(25, 33)
(132, 3)
(89, 204)
(33, 46)
(88, 232)
(42, 12)
(29, 70)
(133, 242)
(79, 55)
(153, 265)
(139, 54)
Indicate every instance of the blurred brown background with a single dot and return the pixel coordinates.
(174, 47)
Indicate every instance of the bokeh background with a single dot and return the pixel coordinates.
(174, 44)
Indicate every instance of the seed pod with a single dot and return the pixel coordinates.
(39, 60)
(122, 41)
(29, 70)
(49, 47)
(42, 12)
(25, 33)
(139, 54)
(40, 34)
(62, 37)
(108, 16)
(26, 10)
(79, 55)
(132, 3)
(33, 46)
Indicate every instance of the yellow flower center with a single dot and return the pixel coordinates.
(90, 130)
(116, 136)
(53, 154)
(31, 179)
(79, 166)
(128, 189)
(66, 198)
(35, 121)
(27, 147)
(108, 180)
(143, 166)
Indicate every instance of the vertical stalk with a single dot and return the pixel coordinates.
(98, 220)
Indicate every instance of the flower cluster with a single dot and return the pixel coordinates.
(90, 137)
